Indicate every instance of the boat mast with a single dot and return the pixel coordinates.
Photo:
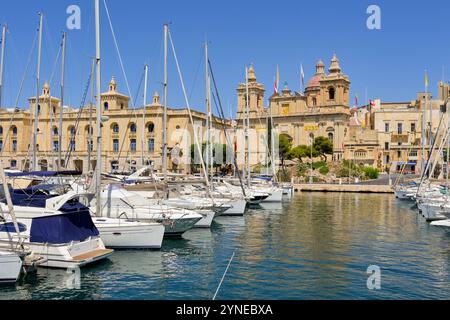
(164, 147)
(36, 107)
(90, 143)
(61, 107)
(2, 62)
(247, 126)
(424, 125)
(208, 158)
(98, 171)
(144, 109)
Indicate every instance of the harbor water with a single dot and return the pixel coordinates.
(316, 246)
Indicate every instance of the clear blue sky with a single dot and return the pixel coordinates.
(390, 62)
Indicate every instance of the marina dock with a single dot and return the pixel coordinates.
(353, 188)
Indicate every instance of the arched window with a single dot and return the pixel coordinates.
(331, 137)
(91, 131)
(331, 93)
(115, 128)
(314, 101)
(1, 130)
(72, 131)
(39, 109)
(106, 106)
(14, 130)
(133, 128)
(151, 127)
(55, 131)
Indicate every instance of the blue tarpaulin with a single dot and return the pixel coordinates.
(43, 173)
(74, 226)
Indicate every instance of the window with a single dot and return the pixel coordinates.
(72, 144)
(90, 145)
(399, 154)
(133, 145)
(106, 106)
(314, 102)
(14, 145)
(151, 145)
(1, 145)
(116, 145)
(72, 131)
(386, 146)
(14, 130)
(413, 153)
(133, 128)
(151, 128)
(54, 110)
(115, 128)
(386, 127)
(39, 109)
(331, 137)
(55, 131)
(1, 130)
(55, 145)
(13, 164)
(331, 93)
(413, 127)
(399, 128)
(114, 166)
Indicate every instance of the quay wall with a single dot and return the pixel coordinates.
(355, 188)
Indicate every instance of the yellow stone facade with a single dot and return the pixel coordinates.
(121, 131)
(323, 109)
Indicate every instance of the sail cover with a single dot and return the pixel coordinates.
(65, 228)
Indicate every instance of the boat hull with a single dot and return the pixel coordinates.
(130, 235)
(206, 221)
(238, 208)
(10, 266)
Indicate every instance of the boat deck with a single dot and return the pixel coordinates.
(93, 254)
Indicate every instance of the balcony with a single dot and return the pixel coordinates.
(396, 138)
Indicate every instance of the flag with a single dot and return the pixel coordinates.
(426, 78)
(372, 103)
(277, 81)
(356, 99)
(302, 74)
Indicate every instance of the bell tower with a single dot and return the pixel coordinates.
(255, 94)
(335, 86)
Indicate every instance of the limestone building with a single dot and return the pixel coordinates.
(323, 109)
(126, 131)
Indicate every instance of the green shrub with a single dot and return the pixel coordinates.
(318, 165)
(371, 172)
(324, 170)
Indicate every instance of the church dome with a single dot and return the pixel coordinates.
(314, 81)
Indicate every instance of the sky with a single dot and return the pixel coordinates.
(388, 64)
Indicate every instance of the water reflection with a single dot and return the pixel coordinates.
(317, 246)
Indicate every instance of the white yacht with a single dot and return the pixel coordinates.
(57, 228)
(116, 202)
(125, 234)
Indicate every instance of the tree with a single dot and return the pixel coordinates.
(324, 146)
(284, 146)
(302, 151)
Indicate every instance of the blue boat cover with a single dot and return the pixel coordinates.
(43, 173)
(74, 225)
(9, 227)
